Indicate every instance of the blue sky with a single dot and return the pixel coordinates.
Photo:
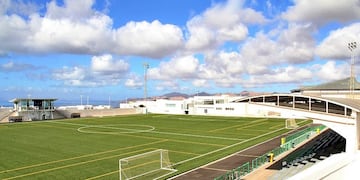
(67, 49)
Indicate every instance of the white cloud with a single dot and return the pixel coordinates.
(19, 7)
(66, 36)
(259, 58)
(13, 30)
(133, 83)
(74, 10)
(231, 13)
(234, 33)
(250, 16)
(84, 77)
(200, 38)
(4, 6)
(58, 33)
(323, 11)
(335, 46)
(148, 39)
(70, 73)
(226, 62)
(283, 75)
(297, 43)
(258, 53)
(76, 28)
(293, 45)
(220, 23)
(223, 68)
(184, 67)
(12, 66)
(102, 71)
(169, 86)
(228, 82)
(200, 83)
(331, 71)
(280, 56)
(106, 64)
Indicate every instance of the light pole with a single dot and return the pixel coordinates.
(81, 99)
(146, 67)
(352, 47)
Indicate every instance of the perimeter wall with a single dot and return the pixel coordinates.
(70, 113)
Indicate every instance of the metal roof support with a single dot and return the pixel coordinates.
(327, 106)
(293, 102)
(345, 111)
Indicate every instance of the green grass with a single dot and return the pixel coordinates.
(91, 148)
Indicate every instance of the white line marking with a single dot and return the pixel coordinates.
(67, 123)
(213, 120)
(151, 131)
(221, 149)
(122, 130)
(201, 136)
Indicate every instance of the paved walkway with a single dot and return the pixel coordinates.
(220, 167)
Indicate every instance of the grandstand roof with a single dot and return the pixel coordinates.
(16, 100)
(352, 103)
(342, 84)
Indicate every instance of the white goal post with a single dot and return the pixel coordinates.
(291, 123)
(150, 165)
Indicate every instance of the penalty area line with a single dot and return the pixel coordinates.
(227, 147)
(79, 157)
(200, 136)
(74, 164)
(103, 175)
(221, 149)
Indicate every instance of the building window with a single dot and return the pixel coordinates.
(170, 105)
(208, 102)
(220, 101)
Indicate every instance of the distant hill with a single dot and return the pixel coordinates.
(175, 94)
(179, 95)
(202, 94)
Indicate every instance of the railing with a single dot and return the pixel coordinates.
(236, 173)
(290, 142)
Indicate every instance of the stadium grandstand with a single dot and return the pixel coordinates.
(328, 151)
(28, 109)
(331, 104)
(33, 109)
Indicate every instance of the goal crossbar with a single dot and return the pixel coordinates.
(291, 123)
(145, 164)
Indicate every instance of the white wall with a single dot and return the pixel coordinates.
(164, 106)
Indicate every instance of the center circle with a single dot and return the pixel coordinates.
(116, 129)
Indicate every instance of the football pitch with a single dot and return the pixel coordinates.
(90, 148)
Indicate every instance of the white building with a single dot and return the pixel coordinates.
(197, 105)
(159, 106)
(28, 109)
(333, 104)
(212, 105)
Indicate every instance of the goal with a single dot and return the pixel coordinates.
(291, 123)
(150, 165)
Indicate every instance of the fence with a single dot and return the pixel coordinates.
(290, 142)
(236, 173)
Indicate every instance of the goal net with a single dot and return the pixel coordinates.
(291, 123)
(149, 165)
